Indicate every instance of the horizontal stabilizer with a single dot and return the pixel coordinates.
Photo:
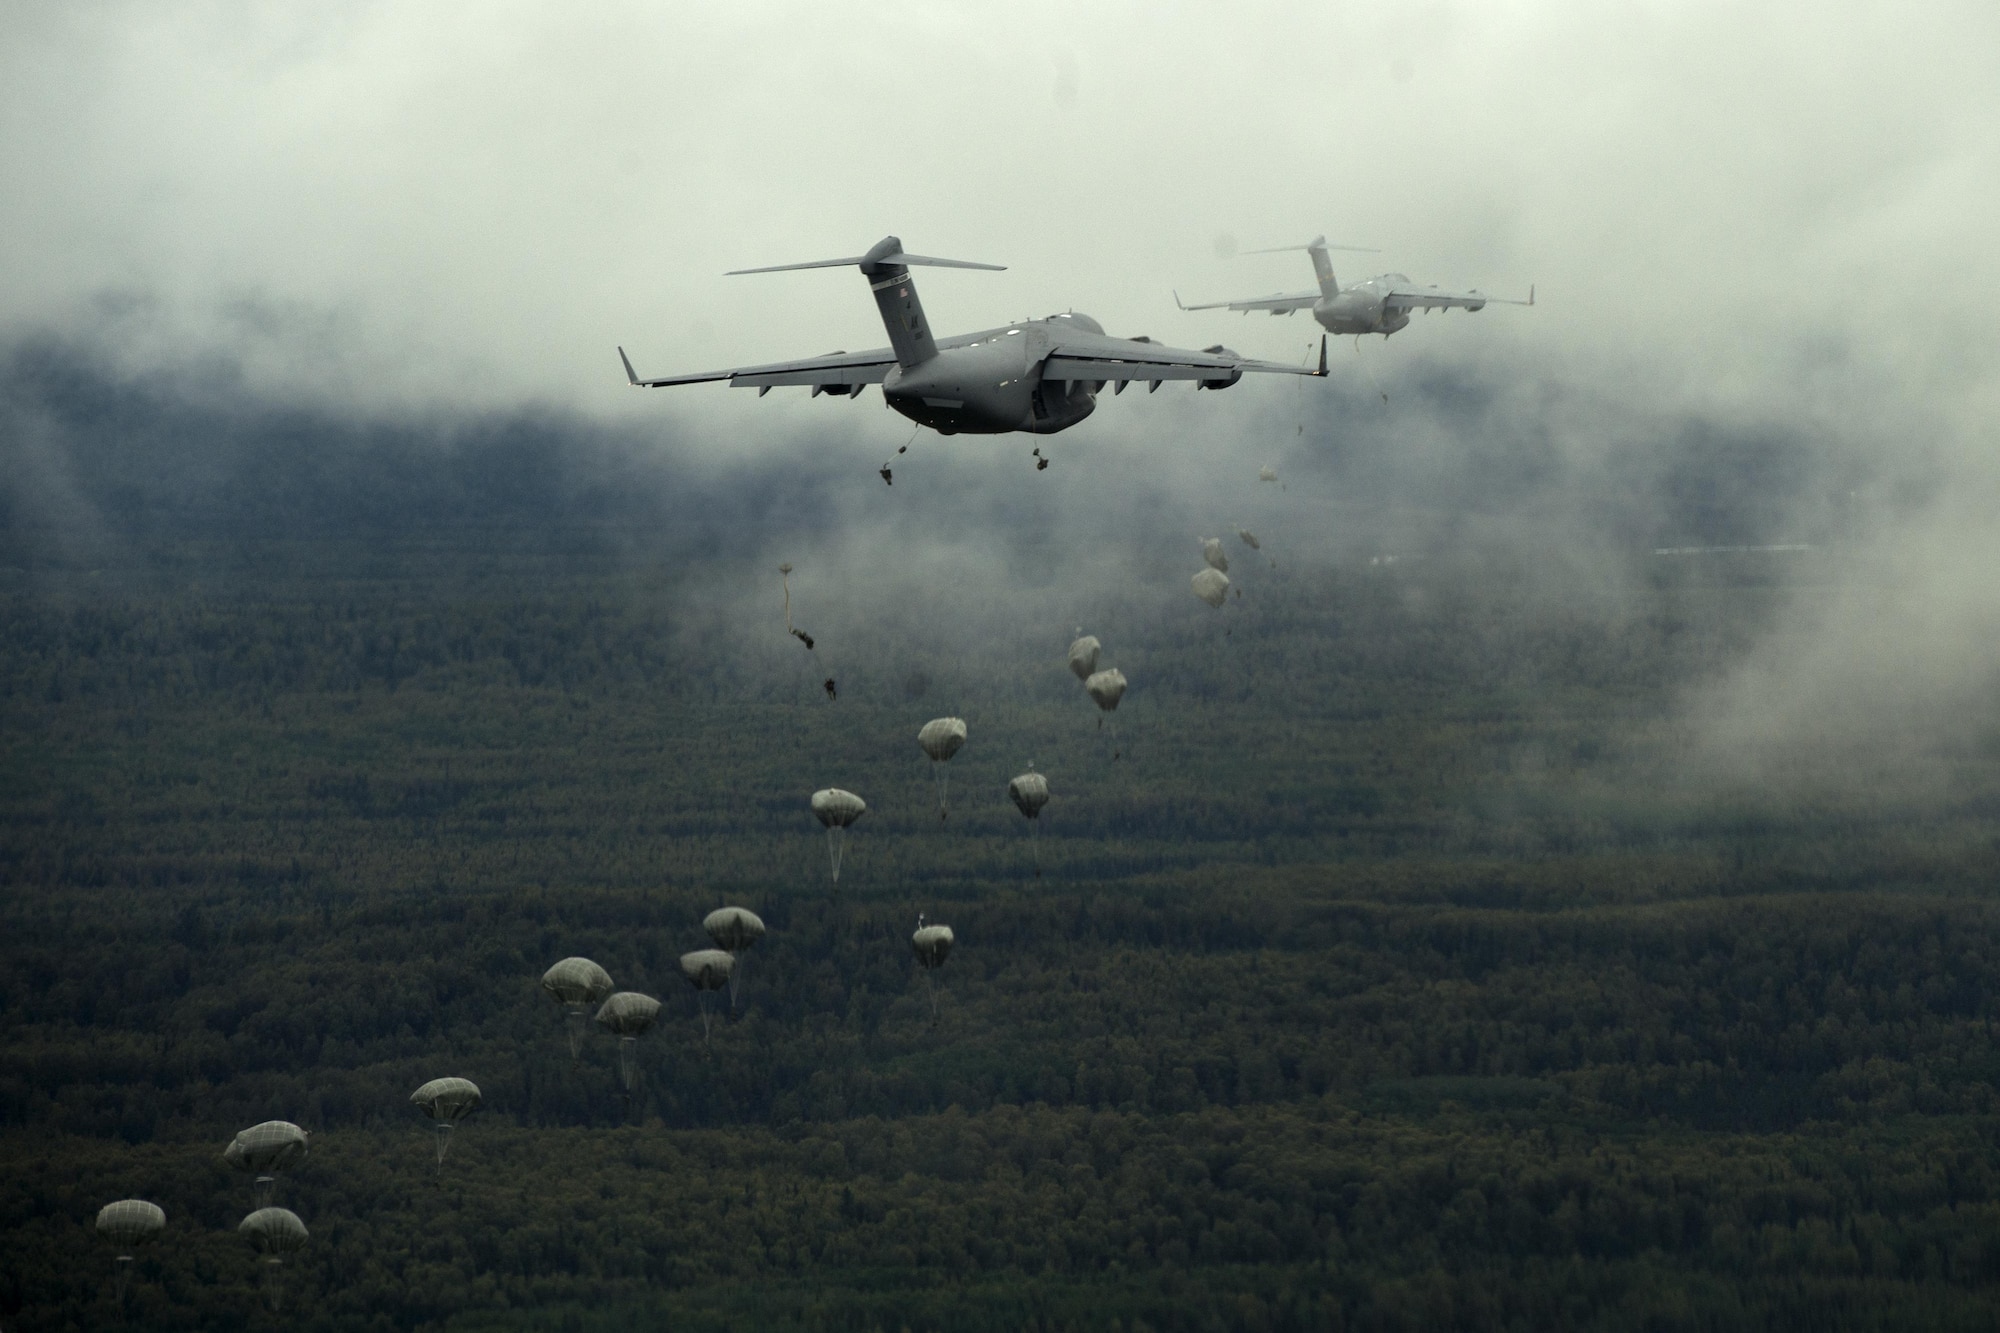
(1319, 243)
(908, 261)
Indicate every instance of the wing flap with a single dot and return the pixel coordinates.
(850, 368)
(1168, 363)
(1280, 303)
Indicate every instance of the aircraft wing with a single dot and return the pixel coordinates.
(1127, 359)
(1281, 304)
(848, 368)
(1436, 298)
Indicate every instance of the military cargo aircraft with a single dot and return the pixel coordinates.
(1379, 305)
(1039, 376)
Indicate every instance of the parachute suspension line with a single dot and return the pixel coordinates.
(122, 1266)
(930, 983)
(574, 1019)
(943, 783)
(836, 843)
(888, 477)
(1370, 370)
(265, 1186)
(443, 1143)
(701, 1002)
(628, 1050)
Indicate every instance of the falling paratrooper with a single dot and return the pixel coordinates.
(785, 580)
(265, 1150)
(576, 984)
(1249, 539)
(932, 945)
(736, 931)
(446, 1101)
(836, 810)
(940, 739)
(628, 1015)
(706, 970)
(128, 1224)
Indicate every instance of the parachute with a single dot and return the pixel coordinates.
(837, 809)
(266, 1150)
(278, 1232)
(932, 945)
(1250, 539)
(940, 738)
(735, 929)
(446, 1101)
(1267, 473)
(706, 970)
(576, 983)
(1107, 687)
(1030, 792)
(629, 1015)
(127, 1224)
(1211, 551)
(1083, 656)
(1212, 586)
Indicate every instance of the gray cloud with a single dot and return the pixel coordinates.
(1760, 241)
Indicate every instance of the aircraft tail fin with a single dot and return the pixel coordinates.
(887, 268)
(1317, 247)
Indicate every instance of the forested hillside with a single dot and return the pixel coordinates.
(1395, 963)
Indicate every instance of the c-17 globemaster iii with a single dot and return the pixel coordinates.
(1379, 305)
(1039, 376)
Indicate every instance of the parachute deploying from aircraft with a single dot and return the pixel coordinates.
(837, 809)
(128, 1224)
(266, 1150)
(629, 1016)
(446, 1101)
(735, 930)
(576, 984)
(1211, 552)
(1212, 586)
(941, 738)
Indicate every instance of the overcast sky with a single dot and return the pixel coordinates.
(1761, 218)
(1725, 207)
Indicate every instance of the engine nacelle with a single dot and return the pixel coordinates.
(1234, 375)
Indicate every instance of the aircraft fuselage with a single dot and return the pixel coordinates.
(1361, 308)
(990, 382)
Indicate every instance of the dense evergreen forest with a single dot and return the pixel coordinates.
(1408, 952)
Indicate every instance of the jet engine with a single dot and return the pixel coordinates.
(1234, 375)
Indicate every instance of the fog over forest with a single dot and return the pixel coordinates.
(1554, 890)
